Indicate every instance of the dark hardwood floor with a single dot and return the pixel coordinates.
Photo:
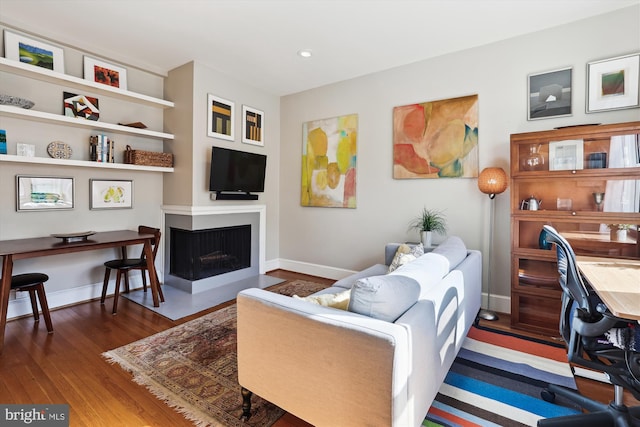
(66, 366)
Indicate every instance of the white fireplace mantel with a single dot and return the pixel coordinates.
(226, 210)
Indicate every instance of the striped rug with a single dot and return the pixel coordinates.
(496, 380)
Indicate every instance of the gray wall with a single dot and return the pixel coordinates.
(353, 238)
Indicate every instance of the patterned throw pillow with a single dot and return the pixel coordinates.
(338, 300)
(405, 254)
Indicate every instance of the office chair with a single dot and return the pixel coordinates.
(585, 323)
(124, 265)
(34, 284)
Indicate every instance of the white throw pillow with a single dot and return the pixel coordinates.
(383, 297)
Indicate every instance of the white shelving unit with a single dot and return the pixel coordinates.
(53, 77)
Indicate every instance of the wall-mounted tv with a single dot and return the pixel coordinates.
(235, 174)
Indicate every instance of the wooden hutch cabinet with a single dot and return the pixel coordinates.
(556, 178)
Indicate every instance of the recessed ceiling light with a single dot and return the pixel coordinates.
(305, 53)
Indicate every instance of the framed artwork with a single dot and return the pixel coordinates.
(436, 139)
(34, 52)
(252, 126)
(105, 73)
(38, 193)
(566, 155)
(612, 84)
(220, 112)
(110, 194)
(81, 106)
(329, 155)
(549, 94)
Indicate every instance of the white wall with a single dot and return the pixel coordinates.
(314, 238)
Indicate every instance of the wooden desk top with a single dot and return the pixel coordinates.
(616, 281)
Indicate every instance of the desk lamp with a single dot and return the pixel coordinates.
(491, 181)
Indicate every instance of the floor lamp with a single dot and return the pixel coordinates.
(491, 181)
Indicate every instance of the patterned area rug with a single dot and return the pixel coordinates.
(193, 367)
(496, 380)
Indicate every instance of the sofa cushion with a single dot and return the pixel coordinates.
(338, 300)
(405, 254)
(453, 249)
(383, 297)
(374, 270)
(427, 270)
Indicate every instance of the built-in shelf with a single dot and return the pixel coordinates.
(80, 163)
(40, 116)
(49, 76)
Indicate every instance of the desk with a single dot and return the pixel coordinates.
(17, 249)
(616, 281)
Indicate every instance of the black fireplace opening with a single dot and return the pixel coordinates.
(198, 254)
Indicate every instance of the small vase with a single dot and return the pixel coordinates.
(534, 161)
(426, 238)
(618, 235)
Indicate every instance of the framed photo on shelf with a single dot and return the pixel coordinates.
(39, 193)
(612, 84)
(566, 155)
(110, 194)
(220, 113)
(99, 71)
(252, 126)
(34, 52)
(80, 106)
(550, 94)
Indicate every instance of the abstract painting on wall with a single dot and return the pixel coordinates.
(437, 139)
(329, 162)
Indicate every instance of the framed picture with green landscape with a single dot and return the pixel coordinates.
(34, 52)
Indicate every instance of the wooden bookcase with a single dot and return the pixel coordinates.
(562, 168)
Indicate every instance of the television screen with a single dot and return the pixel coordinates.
(236, 171)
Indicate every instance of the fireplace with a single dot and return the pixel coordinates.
(198, 254)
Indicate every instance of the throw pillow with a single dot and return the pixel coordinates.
(383, 297)
(338, 300)
(405, 254)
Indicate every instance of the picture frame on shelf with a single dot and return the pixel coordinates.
(566, 155)
(550, 94)
(99, 71)
(252, 126)
(220, 118)
(612, 84)
(39, 193)
(81, 106)
(110, 194)
(18, 47)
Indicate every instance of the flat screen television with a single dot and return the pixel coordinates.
(236, 173)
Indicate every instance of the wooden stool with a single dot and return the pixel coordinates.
(34, 283)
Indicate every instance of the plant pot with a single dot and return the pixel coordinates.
(618, 235)
(426, 238)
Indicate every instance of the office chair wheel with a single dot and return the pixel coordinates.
(548, 396)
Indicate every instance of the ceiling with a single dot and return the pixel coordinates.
(256, 41)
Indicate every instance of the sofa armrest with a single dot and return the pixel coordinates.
(323, 364)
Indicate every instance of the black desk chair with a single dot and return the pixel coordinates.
(34, 284)
(590, 332)
(124, 265)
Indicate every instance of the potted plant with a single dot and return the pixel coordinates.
(427, 222)
(618, 232)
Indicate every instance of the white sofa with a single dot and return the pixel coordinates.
(337, 368)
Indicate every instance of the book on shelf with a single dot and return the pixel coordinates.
(101, 149)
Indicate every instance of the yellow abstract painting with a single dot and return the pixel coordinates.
(329, 162)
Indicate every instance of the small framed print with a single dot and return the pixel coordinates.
(612, 84)
(566, 155)
(110, 194)
(99, 71)
(39, 193)
(34, 52)
(550, 94)
(80, 106)
(252, 126)
(220, 113)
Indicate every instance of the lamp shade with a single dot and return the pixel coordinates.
(492, 181)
